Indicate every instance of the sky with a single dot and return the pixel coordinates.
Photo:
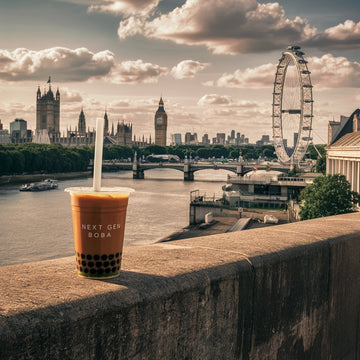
(213, 62)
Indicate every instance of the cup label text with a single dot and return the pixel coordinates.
(99, 231)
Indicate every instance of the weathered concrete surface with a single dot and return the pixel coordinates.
(286, 292)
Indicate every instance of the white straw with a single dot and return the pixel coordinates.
(99, 141)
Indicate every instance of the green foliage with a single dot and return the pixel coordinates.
(118, 152)
(268, 152)
(326, 196)
(321, 165)
(29, 157)
(312, 153)
(155, 149)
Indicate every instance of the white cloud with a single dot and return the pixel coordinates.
(238, 27)
(223, 26)
(127, 7)
(341, 36)
(187, 69)
(62, 63)
(137, 71)
(67, 65)
(327, 72)
(214, 99)
(258, 77)
(334, 72)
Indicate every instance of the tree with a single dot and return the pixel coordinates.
(326, 196)
(321, 165)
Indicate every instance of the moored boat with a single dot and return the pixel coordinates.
(47, 184)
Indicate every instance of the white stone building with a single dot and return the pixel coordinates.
(343, 150)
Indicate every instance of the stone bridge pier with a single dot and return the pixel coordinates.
(188, 173)
(138, 173)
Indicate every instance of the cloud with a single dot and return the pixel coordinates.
(214, 99)
(334, 72)
(134, 72)
(221, 102)
(62, 63)
(238, 27)
(70, 96)
(67, 65)
(327, 72)
(223, 26)
(126, 7)
(342, 36)
(258, 77)
(187, 69)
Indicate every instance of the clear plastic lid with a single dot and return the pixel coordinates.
(103, 191)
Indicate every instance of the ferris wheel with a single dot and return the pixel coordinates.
(292, 107)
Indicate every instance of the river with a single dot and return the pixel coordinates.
(37, 226)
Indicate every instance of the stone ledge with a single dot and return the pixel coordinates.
(280, 292)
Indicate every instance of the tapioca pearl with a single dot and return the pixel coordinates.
(81, 269)
(90, 264)
(89, 257)
(113, 269)
(106, 264)
(86, 270)
(117, 255)
(83, 256)
(79, 262)
(96, 257)
(107, 270)
(92, 271)
(100, 271)
(113, 263)
(111, 256)
(118, 261)
(103, 257)
(98, 264)
(78, 255)
(83, 263)
(118, 267)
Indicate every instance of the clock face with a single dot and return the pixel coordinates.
(159, 121)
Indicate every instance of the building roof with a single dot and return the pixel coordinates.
(346, 127)
(350, 139)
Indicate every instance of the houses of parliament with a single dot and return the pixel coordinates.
(48, 125)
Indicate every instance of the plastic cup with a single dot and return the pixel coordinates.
(99, 225)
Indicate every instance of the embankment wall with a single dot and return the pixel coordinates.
(288, 292)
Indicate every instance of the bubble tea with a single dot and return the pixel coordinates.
(99, 225)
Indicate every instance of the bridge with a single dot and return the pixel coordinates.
(188, 167)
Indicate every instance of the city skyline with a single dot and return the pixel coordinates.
(214, 69)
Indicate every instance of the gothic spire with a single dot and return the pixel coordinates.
(106, 124)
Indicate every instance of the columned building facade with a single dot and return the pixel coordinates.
(343, 151)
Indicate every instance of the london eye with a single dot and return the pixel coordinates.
(292, 109)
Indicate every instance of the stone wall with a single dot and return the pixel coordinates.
(288, 292)
(198, 211)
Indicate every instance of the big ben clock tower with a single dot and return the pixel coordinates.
(160, 124)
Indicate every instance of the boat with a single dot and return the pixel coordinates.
(47, 184)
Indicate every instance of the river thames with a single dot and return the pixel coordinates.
(38, 226)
